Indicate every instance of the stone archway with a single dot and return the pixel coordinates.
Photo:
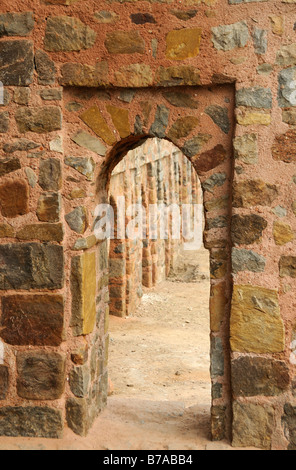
(104, 125)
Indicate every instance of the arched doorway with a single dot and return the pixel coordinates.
(159, 352)
(201, 126)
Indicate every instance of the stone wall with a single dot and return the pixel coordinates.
(83, 84)
(156, 173)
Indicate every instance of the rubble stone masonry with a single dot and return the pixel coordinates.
(84, 83)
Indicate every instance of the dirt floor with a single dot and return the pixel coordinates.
(159, 369)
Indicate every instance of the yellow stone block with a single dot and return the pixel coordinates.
(277, 25)
(255, 324)
(120, 118)
(88, 292)
(282, 233)
(183, 43)
(83, 289)
(254, 118)
(93, 118)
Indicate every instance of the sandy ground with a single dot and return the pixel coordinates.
(159, 368)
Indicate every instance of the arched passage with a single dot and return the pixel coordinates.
(159, 367)
(106, 128)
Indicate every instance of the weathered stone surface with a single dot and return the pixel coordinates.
(50, 174)
(16, 62)
(289, 425)
(8, 165)
(85, 166)
(253, 425)
(77, 193)
(45, 68)
(284, 147)
(247, 229)
(289, 116)
(94, 119)
(277, 24)
(246, 148)
(79, 379)
(22, 95)
(287, 266)
(181, 99)
(85, 243)
(256, 375)
(86, 140)
(218, 301)
(20, 145)
(4, 122)
(14, 198)
(219, 259)
(80, 356)
(51, 94)
(161, 120)
(65, 33)
(247, 260)
(45, 232)
(216, 222)
(256, 324)
(250, 193)
(125, 42)
(255, 97)
(217, 391)
(127, 95)
(31, 266)
(220, 117)
(77, 219)
(36, 320)
(41, 375)
(184, 15)
(4, 381)
(106, 17)
(83, 288)
(49, 206)
(193, 146)
(287, 79)
(6, 231)
(250, 118)
(182, 127)
(31, 176)
(16, 24)
(183, 43)
(264, 69)
(217, 357)
(218, 422)
(286, 55)
(142, 18)
(40, 120)
(120, 119)
(209, 160)
(215, 204)
(31, 421)
(260, 40)
(228, 37)
(282, 233)
(83, 75)
(77, 415)
(134, 76)
(217, 179)
(177, 75)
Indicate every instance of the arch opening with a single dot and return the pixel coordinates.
(159, 287)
